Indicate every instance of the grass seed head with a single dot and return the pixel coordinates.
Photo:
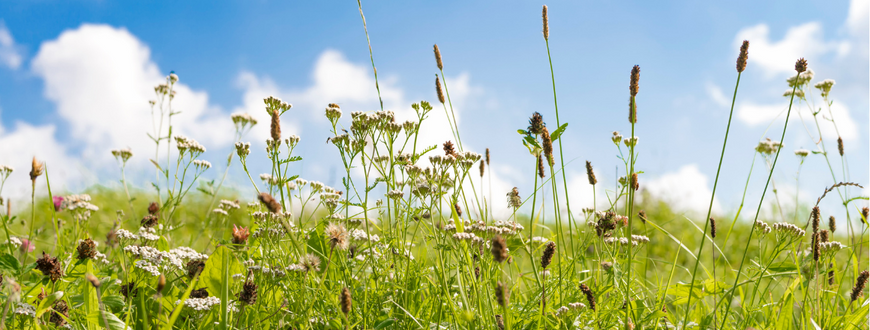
(590, 297)
(642, 215)
(346, 301)
(482, 168)
(547, 257)
(487, 156)
(541, 166)
(635, 77)
(438, 57)
(744, 55)
(548, 145)
(831, 276)
(458, 209)
(501, 294)
(499, 248)
(823, 235)
(546, 19)
(439, 90)
(801, 65)
(832, 224)
(590, 174)
(816, 218)
(860, 282)
(276, 126)
(273, 205)
(712, 228)
(634, 183)
(840, 146)
(816, 247)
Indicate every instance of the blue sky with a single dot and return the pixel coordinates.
(75, 79)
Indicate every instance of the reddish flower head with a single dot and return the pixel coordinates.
(58, 201)
(240, 235)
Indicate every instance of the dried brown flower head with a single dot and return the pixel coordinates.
(499, 248)
(153, 208)
(240, 235)
(541, 167)
(744, 55)
(501, 294)
(59, 314)
(547, 256)
(832, 224)
(547, 144)
(346, 301)
(439, 90)
(536, 124)
(195, 267)
(199, 293)
(831, 275)
(590, 174)
(634, 183)
(276, 126)
(642, 215)
(712, 228)
(482, 168)
(590, 297)
(860, 282)
(273, 205)
(487, 156)
(823, 235)
(458, 209)
(86, 249)
(49, 267)
(448, 149)
(149, 221)
(801, 65)
(248, 296)
(840, 146)
(36, 169)
(438, 57)
(546, 23)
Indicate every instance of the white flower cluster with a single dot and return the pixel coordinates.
(333, 113)
(148, 267)
(101, 258)
(395, 194)
(148, 234)
(639, 239)
(620, 240)
(200, 304)
(243, 119)
(270, 180)
(14, 241)
(126, 234)
(78, 202)
(243, 149)
(184, 143)
(539, 239)
(797, 93)
(5, 170)
(174, 258)
(790, 230)
(229, 205)
(360, 235)
(25, 309)
(630, 142)
(499, 227)
(220, 212)
(801, 152)
(468, 237)
(765, 229)
(201, 165)
(830, 247)
(768, 146)
(801, 79)
(122, 154)
(265, 270)
(825, 86)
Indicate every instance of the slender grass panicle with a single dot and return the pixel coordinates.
(438, 57)
(823, 235)
(482, 167)
(276, 126)
(832, 224)
(635, 79)
(712, 227)
(541, 166)
(816, 246)
(439, 90)
(860, 282)
(816, 215)
(345, 300)
(590, 297)
(499, 249)
(590, 174)
(487, 156)
(840, 146)
(547, 145)
(547, 256)
(546, 19)
(744, 55)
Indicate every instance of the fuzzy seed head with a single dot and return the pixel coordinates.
(86, 249)
(816, 218)
(449, 150)
(487, 156)
(276, 126)
(499, 248)
(36, 169)
(273, 205)
(816, 247)
(439, 90)
(712, 228)
(840, 146)
(547, 257)
(590, 297)
(635, 77)
(860, 282)
(744, 55)
(832, 224)
(634, 183)
(337, 236)
(590, 174)
(546, 23)
(482, 167)
(823, 235)
(346, 301)
(438, 57)
(541, 166)
(801, 65)
(548, 145)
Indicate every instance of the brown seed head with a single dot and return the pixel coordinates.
(536, 124)
(161, 283)
(346, 301)
(501, 294)
(86, 249)
(840, 146)
(642, 215)
(823, 235)
(448, 149)
(548, 145)
(860, 282)
(36, 169)
(801, 65)
(634, 183)
(816, 243)
(273, 205)
(458, 209)
(276, 126)
(635, 77)
(195, 267)
(482, 167)
(744, 55)
(832, 224)
(487, 156)
(240, 235)
(712, 228)
(590, 297)
(541, 166)
(499, 249)
(547, 257)
(153, 208)
(439, 90)
(59, 308)
(199, 293)
(248, 295)
(438, 57)
(590, 174)
(93, 279)
(865, 214)
(149, 221)
(499, 322)
(831, 276)
(333, 105)
(546, 23)
(816, 218)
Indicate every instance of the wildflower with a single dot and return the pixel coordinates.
(438, 57)
(243, 149)
(201, 165)
(800, 65)
(637, 239)
(195, 267)
(825, 86)
(337, 236)
(153, 208)
(249, 293)
(590, 297)
(768, 147)
(438, 90)
(59, 314)
(58, 202)
(801, 153)
(25, 309)
(333, 112)
(346, 301)
(27, 246)
(200, 304)
(240, 235)
(762, 226)
(513, 198)
(787, 230)
(395, 194)
(270, 202)
(797, 93)
(149, 221)
(36, 169)
(87, 249)
(860, 282)
(616, 138)
(148, 267)
(499, 248)
(122, 155)
(547, 256)
(536, 124)
(631, 142)
(49, 267)
(744, 55)
(310, 262)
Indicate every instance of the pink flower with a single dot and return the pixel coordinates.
(26, 246)
(58, 201)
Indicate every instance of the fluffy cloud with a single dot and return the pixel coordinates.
(9, 54)
(778, 57)
(686, 190)
(755, 114)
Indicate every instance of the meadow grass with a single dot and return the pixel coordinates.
(409, 240)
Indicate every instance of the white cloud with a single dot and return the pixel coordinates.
(755, 114)
(859, 12)
(778, 57)
(687, 189)
(9, 53)
(717, 96)
(101, 79)
(21, 144)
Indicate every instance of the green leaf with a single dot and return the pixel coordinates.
(9, 263)
(155, 164)
(784, 266)
(114, 322)
(558, 132)
(177, 310)
(114, 303)
(385, 323)
(46, 303)
(212, 274)
(92, 304)
(292, 159)
(523, 132)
